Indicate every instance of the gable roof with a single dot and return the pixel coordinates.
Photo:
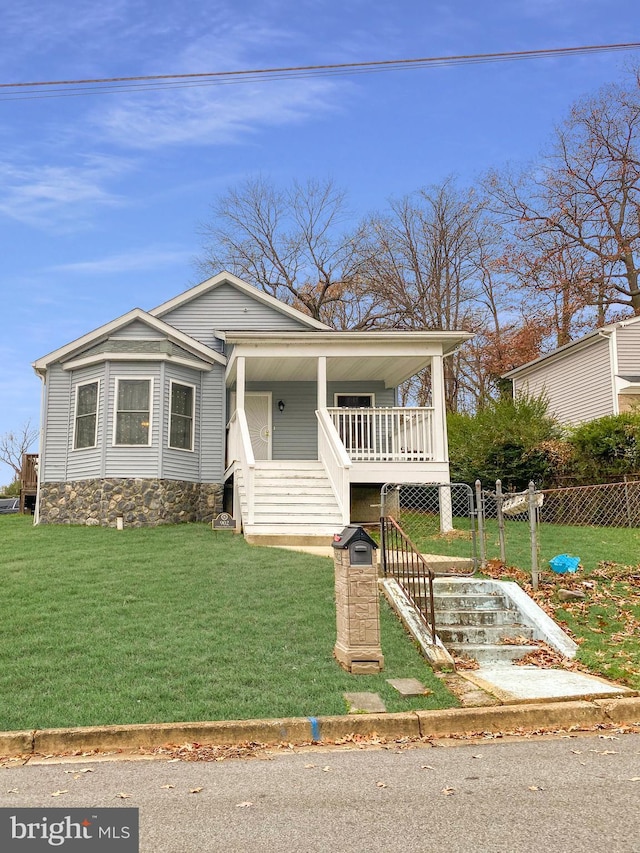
(585, 340)
(259, 295)
(76, 347)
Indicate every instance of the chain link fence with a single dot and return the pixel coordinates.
(527, 528)
(438, 518)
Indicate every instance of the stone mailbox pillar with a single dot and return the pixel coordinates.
(357, 647)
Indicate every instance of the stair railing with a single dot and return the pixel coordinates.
(402, 561)
(241, 452)
(332, 454)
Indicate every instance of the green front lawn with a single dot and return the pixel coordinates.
(174, 623)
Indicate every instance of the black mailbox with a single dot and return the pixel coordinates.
(359, 544)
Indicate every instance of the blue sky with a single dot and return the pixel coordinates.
(102, 198)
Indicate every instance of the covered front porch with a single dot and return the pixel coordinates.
(318, 413)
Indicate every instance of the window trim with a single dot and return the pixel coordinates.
(118, 379)
(191, 449)
(369, 394)
(75, 414)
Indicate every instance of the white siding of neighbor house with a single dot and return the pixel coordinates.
(135, 461)
(86, 463)
(295, 430)
(137, 330)
(578, 385)
(225, 309)
(628, 346)
(56, 428)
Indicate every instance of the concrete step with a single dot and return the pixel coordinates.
(470, 601)
(480, 634)
(462, 586)
(490, 653)
(497, 616)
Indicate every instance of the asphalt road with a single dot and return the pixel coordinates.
(565, 794)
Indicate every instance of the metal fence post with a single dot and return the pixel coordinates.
(533, 527)
(480, 514)
(500, 516)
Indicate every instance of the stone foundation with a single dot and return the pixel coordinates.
(141, 503)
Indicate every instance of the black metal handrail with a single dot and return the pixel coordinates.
(402, 561)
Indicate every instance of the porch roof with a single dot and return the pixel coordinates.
(390, 356)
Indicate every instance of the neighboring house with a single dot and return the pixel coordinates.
(593, 376)
(225, 396)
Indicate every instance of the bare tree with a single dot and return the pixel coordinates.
(14, 444)
(431, 265)
(294, 244)
(581, 204)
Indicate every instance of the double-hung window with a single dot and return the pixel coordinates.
(85, 432)
(133, 412)
(181, 419)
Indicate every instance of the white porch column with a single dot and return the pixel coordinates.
(440, 438)
(240, 381)
(439, 413)
(322, 382)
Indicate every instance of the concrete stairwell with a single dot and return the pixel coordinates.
(293, 504)
(472, 617)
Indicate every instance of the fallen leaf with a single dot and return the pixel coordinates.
(309, 766)
(78, 772)
(448, 791)
(166, 787)
(535, 788)
(123, 796)
(326, 769)
(633, 779)
(244, 805)
(195, 790)
(380, 785)
(476, 756)
(13, 791)
(427, 767)
(58, 793)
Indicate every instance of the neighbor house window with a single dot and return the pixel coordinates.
(86, 418)
(181, 417)
(133, 411)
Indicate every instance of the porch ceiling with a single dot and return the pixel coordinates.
(388, 356)
(392, 371)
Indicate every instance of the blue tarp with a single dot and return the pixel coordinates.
(564, 563)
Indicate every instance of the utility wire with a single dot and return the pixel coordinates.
(116, 85)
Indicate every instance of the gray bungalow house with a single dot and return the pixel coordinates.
(225, 396)
(593, 376)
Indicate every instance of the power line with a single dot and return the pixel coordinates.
(115, 85)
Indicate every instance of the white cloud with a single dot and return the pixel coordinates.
(58, 195)
(217, 114)
(148, 258)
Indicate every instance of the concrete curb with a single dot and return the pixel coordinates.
(446, 723)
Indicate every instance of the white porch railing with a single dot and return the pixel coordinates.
(392, 434)
(240, 451)
(336, 463)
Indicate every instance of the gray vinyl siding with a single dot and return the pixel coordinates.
(578, 385)
(213, 421)
(295, 430)
(86, 463)
(180, 464)
(56, 425)
(227, 309)
(135, 461)
(628, 347)
(137, 330)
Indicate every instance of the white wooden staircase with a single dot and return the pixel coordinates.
(293, 501)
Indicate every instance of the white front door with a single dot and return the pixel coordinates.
(257, 407)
